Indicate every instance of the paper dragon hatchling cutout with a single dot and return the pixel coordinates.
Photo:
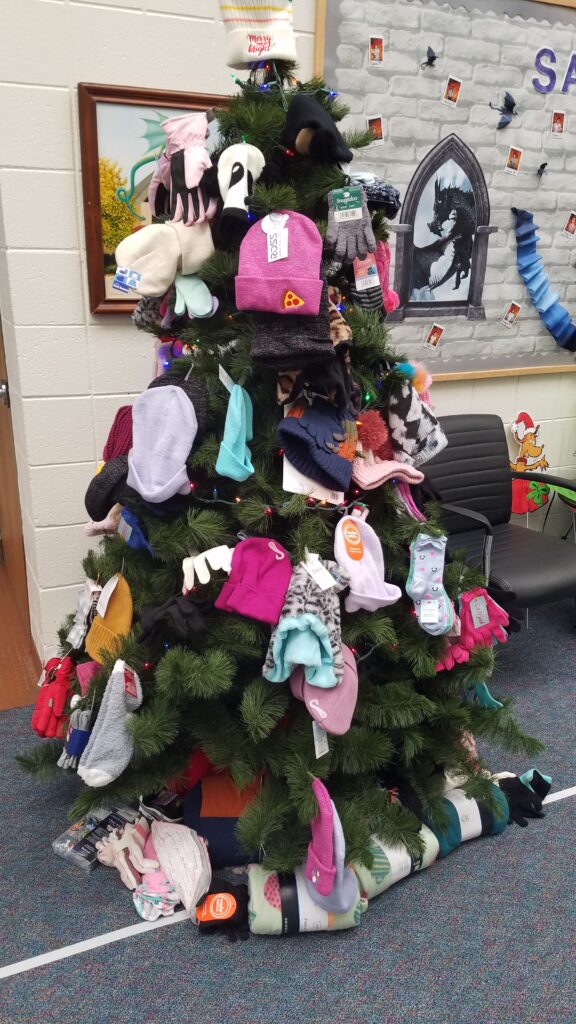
(528, 495)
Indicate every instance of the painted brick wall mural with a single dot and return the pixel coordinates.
(374, 57)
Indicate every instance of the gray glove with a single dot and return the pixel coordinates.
(350, 239)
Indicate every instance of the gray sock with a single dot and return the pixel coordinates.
(110, 745)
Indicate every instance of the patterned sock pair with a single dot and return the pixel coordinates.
(424, 584)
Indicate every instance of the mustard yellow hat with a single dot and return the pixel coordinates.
(106, 630)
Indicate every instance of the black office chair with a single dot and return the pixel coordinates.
(473, 480)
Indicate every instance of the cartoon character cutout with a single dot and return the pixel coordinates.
(528, 495)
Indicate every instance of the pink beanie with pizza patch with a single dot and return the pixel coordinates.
(279, 266)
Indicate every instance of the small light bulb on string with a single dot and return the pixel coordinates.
(146, 665)
(281, 451)
(323, 502)
(354, 651)
(166, 364)
(214, 494)
(310, 501)
(237, 499)
(251, 216)
(332, 94)
(268, 510)
(244, 137)
(192, 485)
(289, 152)
(166, 645)
(368, 397)
(356, 492)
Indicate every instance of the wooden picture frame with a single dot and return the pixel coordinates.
(90, 97)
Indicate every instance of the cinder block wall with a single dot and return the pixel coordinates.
(489, 53)
(69, 371)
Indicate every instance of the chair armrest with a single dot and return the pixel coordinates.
(545, 478)
(469, 513)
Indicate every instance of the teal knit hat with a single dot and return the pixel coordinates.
(234, 459)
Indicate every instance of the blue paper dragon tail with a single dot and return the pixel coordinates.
(555, 318)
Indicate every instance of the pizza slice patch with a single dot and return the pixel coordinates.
(291, 300)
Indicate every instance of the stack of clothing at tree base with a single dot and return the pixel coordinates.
(167, 863)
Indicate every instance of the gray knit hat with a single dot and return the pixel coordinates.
(292, 342)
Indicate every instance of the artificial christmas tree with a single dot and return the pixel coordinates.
(299, 535)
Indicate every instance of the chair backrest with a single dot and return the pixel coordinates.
(473, 470)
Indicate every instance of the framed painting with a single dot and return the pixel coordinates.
(120, 141)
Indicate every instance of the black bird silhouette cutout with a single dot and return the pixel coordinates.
(508, 110)
(431, 58)
(541, 170)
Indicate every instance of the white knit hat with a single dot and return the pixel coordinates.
(164, 426)
(257, 30)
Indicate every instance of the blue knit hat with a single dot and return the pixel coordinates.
(234, 456)
(320, 441)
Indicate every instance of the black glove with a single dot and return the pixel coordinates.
(179, 617)
(224, 909)
(522, 802)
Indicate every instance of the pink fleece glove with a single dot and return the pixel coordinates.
(482, 622)
(383, 259)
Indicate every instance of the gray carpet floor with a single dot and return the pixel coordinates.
(484, 936)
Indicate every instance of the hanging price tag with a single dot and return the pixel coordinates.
(347, 203)
(429, 612)
(322, 578)
(366, 273)
(106, 594)
(479, 611)
(125, 279)
(321, 746)
(124, 529)
(225, 378)
(278, 245)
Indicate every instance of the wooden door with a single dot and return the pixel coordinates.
(18, 659)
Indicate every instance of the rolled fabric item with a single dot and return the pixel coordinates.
(393, 863)
(280, 904)
(469, 819)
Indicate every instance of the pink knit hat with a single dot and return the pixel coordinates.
(261, 572)
(288, 284)
(333, 708)
(370, 471)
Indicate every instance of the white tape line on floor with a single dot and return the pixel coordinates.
(562, 794)
(98, 940)
(21, 966)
